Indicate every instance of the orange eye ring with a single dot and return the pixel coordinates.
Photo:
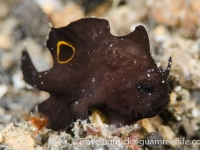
(58, 51)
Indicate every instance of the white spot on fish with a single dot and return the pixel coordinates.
(93, 80)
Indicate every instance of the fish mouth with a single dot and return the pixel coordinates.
(158, 106)
(161, 105)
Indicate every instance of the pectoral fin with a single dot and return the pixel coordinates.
(58, 111)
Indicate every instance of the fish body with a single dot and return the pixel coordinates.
(94, 69)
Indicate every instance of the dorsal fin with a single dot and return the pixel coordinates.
(140, 37)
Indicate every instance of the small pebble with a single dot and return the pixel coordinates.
(154, 136)
(3, 90)
(1, 138)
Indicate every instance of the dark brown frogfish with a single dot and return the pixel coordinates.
(94, 69)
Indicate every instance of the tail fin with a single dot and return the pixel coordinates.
(58, 111)
(28, 68)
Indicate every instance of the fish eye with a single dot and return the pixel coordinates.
(146, 87)
(65, 52)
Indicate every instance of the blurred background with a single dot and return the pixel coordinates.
(174, 30)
